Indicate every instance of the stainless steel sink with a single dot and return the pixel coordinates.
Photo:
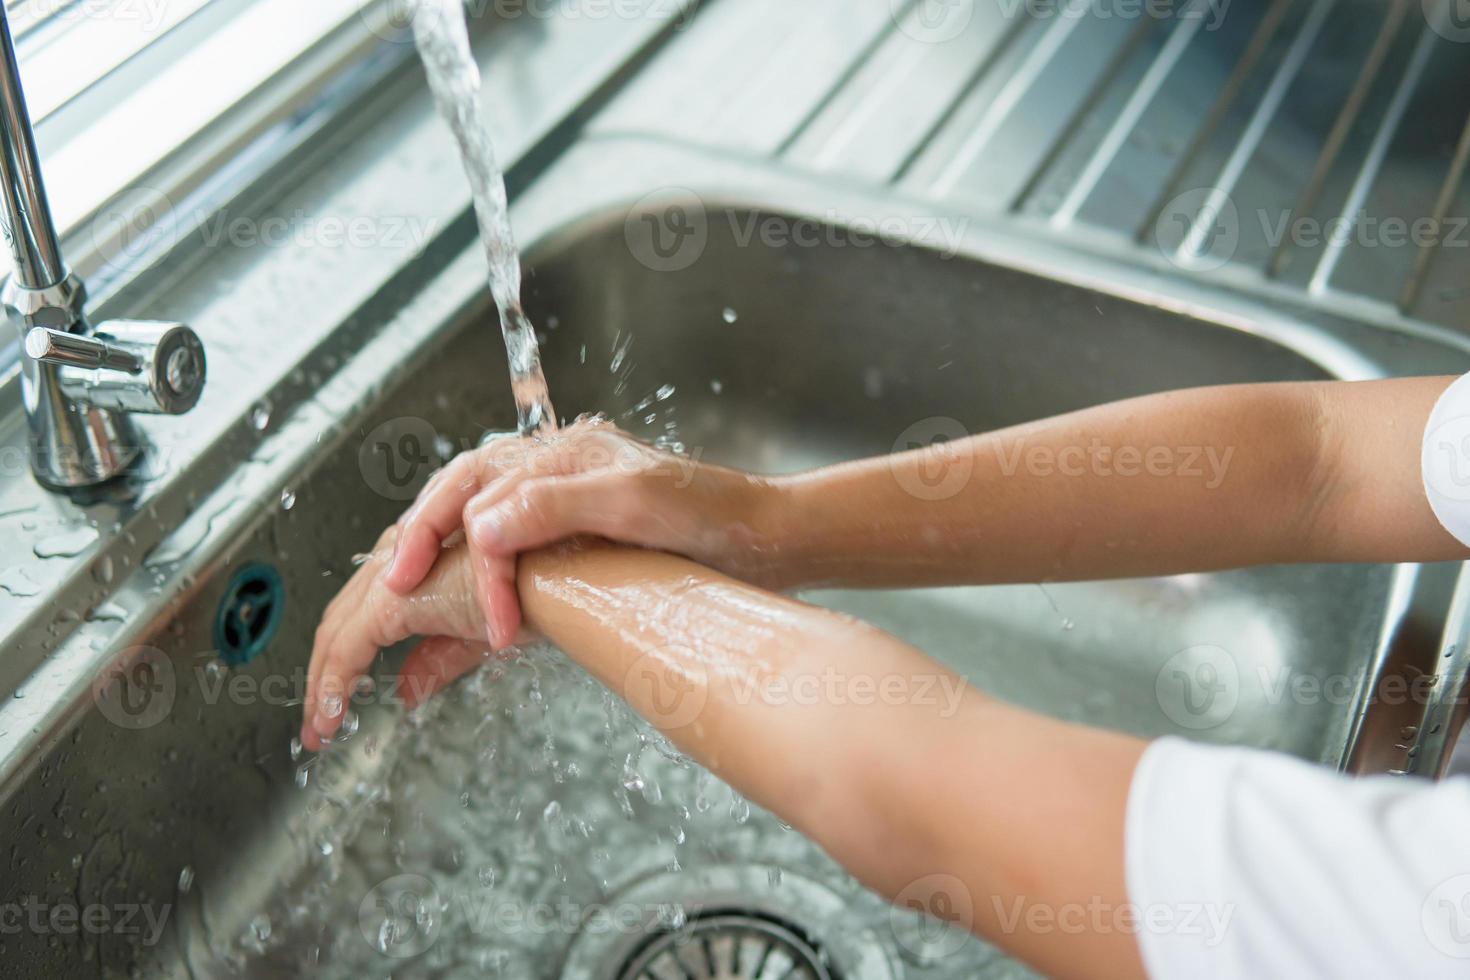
(524, 825)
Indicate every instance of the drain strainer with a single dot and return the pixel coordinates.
(731, 922)
(728, 946)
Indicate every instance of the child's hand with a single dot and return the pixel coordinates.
(367, 616)
(516, 495)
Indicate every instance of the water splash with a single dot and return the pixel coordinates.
(443, 41)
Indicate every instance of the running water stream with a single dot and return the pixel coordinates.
(442, 36)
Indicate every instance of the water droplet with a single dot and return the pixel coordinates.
(186, 880)
(67, 544)
(17, 582)
(730, 315)
(444, 446)
(552, 811)
(288, 498)
(717, 386)
(102, 571)
(665, 393)
(260, 415)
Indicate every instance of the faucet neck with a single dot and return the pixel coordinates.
(24, 209)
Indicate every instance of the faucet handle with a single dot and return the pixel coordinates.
(148, 366)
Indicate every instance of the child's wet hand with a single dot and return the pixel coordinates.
(367, 616)
(516, 495)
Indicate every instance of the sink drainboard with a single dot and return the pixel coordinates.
(729, 945)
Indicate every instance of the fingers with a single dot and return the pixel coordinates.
(432, 518)
(536, 513)
(436, 663)
(495, 590)
(324, 642)
(437, 512)
(356, 627)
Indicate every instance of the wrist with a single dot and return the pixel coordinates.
(783, 526)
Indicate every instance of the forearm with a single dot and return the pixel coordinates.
(1194, 480)
(890, 762)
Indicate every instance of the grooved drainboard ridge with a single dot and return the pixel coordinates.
(1321, 144)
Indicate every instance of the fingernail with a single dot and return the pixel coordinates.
(487, 528)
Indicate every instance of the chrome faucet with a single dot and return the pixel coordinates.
(80, 383)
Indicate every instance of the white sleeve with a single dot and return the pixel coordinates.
(1246, 864)
(1445, 462)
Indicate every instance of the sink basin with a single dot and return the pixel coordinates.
(525, 825)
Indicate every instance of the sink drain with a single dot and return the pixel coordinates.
(249, 614)
(733, 923)
(728, 946)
